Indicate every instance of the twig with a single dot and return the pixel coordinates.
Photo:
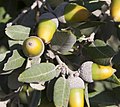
(64, 68)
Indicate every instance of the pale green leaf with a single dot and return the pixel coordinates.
(2, 12)
(3, 55)
(63, 41)
(15, 61)
(12, 43)
(61, 92)
(15, 44)
(4, 17)
(38, 73)
(17, 32)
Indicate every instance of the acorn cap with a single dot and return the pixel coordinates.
(76, 82)
(86, 71)
(59, 11)
(49, 16)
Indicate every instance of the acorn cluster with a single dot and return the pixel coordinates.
(48, 24)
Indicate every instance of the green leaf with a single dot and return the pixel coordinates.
(3, 55)
(38, 73)
(2, 12)
(99, 52)
(17, 32)
(114, 79)
(12, 43)
(4, 17)
(15, 44)
(15, 61)
(61, 92)
(63, 41)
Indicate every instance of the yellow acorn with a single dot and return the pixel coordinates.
(115, 10)
(76, 97)
(91, 71)
(33, 46)
(47, 26)
(71, 12)
(100, 72)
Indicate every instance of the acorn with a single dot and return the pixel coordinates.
(33, 46)
(71, 12)
(90, 71)
(47, 26)
(76, 98)
(115, 10)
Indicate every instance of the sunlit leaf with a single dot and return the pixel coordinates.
(15, 61)
(12, 43)
(17, 32)
(61, 92)
(4, 17)
(3, 55)
(38, 73)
